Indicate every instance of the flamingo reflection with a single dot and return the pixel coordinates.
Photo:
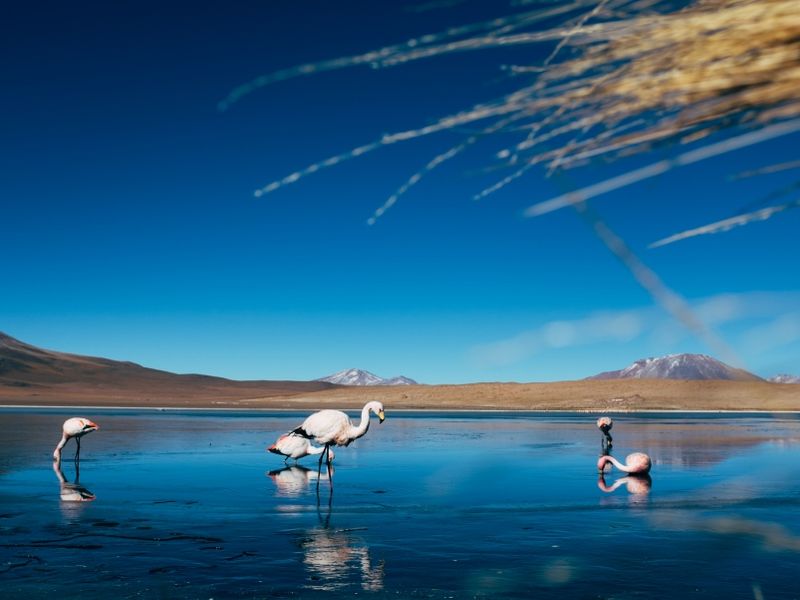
(336, 558)
(638, 485)
(295, 480)
(71, 492)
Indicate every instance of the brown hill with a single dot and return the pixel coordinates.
(31, 375)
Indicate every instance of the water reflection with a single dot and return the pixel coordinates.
(638, 485)
(337, 558)
(71, 492)
(296, 480)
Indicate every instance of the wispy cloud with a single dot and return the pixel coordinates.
(752, 322)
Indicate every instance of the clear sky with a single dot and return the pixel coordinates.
(130, 230)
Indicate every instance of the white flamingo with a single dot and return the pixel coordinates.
(76, 427)
(638, 462)
(292, 445)
(334, 428)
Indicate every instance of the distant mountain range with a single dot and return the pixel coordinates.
(361, 377)
(679, 366)
(784, 378)
(30, 372)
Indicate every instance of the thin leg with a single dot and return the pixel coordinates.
(78, 451)
(319, 472)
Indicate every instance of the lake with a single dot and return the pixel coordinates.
(182, 504)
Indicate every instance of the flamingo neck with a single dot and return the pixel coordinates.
(316, 449)
(610, 459)
(361, 429)
(61, 443)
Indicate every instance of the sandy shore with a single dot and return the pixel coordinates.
(592, 395)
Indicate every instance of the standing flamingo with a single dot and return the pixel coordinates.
(334, 428)
(638, 462)
(292, 445)
(75, 427)
(604, 424)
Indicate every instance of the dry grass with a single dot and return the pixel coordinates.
(621, 77)
(599, 396)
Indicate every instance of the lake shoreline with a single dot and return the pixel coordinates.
(589, 396)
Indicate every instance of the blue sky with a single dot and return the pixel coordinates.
(131, 231)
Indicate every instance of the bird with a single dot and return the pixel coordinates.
(75, 427)
(334, 428)
(292, 445)
(605, 424)
(638, 462)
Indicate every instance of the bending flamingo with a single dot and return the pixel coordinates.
(638, 462)
(292, 445)
(334, 428)
(76, 427)
(604, 424)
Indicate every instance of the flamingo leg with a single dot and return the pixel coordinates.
(330, 478)
(78, 451)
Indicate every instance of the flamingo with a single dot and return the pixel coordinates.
(75, 427)
(334, 428)
(638, 462)
(292, 445)
(605, 424)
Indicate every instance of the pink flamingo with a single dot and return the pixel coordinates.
(76, 427)
(292, 445)
(605, 424)
(638, 462)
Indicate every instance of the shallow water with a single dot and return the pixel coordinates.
(189, 505)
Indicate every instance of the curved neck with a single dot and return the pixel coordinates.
(361, 429)
(57, 451)
(604, 460)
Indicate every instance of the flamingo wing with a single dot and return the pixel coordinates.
(326, 427)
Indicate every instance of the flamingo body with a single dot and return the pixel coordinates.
(76, 427)
(638, 462)
(334, 428)
(292, 445)
(605, 424)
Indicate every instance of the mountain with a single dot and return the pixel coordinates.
(679, 366)
(361, 377)
(28, 372)
(784, 378)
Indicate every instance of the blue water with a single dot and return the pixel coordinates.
(189, 505)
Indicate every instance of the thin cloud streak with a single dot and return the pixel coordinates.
(768, 320)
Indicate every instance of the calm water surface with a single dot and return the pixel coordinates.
(189, 505)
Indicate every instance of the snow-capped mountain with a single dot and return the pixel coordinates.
(784, 378)
(361, 377)
(679, 366)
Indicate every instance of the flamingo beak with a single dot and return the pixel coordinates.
(273, 449)
(381, 417)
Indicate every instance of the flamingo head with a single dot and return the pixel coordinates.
(90, 426)
(377, 408)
